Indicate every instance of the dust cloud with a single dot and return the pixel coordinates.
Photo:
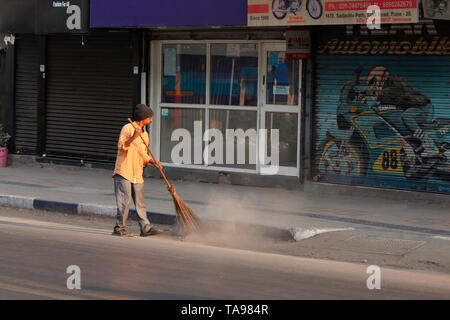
(234, 223)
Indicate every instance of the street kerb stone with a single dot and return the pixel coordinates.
(88, 209)
(63, 207)
(156, 217)
(16, 201)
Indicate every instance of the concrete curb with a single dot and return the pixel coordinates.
(17, 202)
(154, 217)
(440, 200)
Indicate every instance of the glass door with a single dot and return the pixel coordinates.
(281, 99)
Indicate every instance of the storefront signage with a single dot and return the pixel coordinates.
(419, 39)
(436, 46)
(298, 44)
(59, 4)
(281, 90)
(436, 9)
(328, 12)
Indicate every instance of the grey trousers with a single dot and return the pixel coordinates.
(125, 191)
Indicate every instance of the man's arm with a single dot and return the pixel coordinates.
(144, 154)
(154, 163)
(127, 137)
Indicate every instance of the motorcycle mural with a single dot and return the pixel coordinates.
(377, 132)
(280, 8)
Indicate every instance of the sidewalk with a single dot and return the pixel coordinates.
(90, 191)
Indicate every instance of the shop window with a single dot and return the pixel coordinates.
(235, 120)
(234, 74)
(287, 123)
(227, 99)
(184, 73)
(181, 118)
(282, 79)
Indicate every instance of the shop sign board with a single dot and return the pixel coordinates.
(263, 13)
(298, 44)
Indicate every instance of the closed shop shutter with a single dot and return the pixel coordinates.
(26, 93)
(89, 94)
(381, 116)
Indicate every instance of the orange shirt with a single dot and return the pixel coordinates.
(130, 161)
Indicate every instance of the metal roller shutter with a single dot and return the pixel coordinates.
(89, 94)
(364, 139)
(26, 93)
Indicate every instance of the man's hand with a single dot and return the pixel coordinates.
(156, 164)
(171, 189)
(137, 132)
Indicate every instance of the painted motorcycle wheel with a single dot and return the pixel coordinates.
(276, 5)
(340, 158)
(314, 8)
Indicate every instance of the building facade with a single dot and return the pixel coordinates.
(352, 114)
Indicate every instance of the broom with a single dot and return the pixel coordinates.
(189, 220)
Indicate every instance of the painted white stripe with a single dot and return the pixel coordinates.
(16, 201)
(97, 210)
(441, 238)
(302, 234)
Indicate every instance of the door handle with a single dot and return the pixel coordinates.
(264, 80)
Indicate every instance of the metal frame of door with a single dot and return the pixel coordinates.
(268, 108)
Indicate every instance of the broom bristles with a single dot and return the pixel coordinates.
(189, 220)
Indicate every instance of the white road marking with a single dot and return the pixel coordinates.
(302, 234)
(441, 238)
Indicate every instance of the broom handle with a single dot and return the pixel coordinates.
(153, 157)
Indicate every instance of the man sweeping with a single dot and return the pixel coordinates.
(128, 180)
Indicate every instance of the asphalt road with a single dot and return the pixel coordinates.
(34, 256)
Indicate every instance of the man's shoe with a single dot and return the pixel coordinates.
(151, 232)
(121, 232)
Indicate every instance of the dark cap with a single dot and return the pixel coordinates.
(142, 112)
